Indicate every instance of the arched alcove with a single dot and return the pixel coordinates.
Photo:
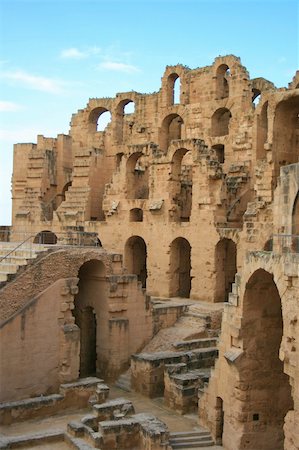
(181, 184)
(135, 258)
(45, 237)
(220, 122)
(87, 311)
(285, 146)
(171, 129)
(225, 268)
(269, 398)
(220, 153)
(136, 215)
(137, 177)
(180, 268)
(295, 225)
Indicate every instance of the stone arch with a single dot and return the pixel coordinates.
(137, 176)
(135, 258)
(262, 131)
(180, 268)
(94, 119)
(181, 183)
(171, 129)
(173, 89)
(88, 306)
(220, 122)
(45, 237)
(285, 146)
(136, 215)
(124, 119)
(269, 398)
(225, 268)
(223, 76)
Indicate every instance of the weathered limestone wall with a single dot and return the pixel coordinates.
(43, 339)
(40, 345)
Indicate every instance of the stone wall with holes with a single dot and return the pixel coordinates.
(39, 335)
(198, 166)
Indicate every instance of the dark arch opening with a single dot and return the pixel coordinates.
(225, 268)
(137, 177)
(171, 129)
(99, 119)
(269, 397)
(285, 147)
(135, 258)
(181, 184)
(220, 122)
(45, 237)
(262, 131)
(91, 276)
(219, 149)
(136, 215)
(180, 268)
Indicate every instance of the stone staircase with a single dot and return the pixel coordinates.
(15, 255)
(124, 381)
(190, 439)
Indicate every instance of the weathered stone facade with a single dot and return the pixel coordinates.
(199, 192)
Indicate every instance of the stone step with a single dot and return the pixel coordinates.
(124, 381)
(190, 439)
(195, 344)
(8, 268)
(3, 276)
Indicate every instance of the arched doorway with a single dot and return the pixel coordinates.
(87, 302)
(180, 268)
(137, 176)
(172, 128)
(225, 268)
(135, 258)
(268, 398)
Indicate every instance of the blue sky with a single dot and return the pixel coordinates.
(57, 54)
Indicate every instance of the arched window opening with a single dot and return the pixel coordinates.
(45, 237)
(256, 96)
(285, 146)
(219, 149)
(135, 258)
(181, 184)
(262, 331)
(173, 89)
(129, 107)
(262, 131)
(124, 120)
(90, 288)
(220, 122)
(225, 268)
(222, 81)
(137, 177)
(103, 121)
(172, 129)
(180, 268)
(268, 247)
(136, 215)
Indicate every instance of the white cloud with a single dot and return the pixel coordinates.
(118, 67)
(9, 106)
(35, 82)
(75, 53)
